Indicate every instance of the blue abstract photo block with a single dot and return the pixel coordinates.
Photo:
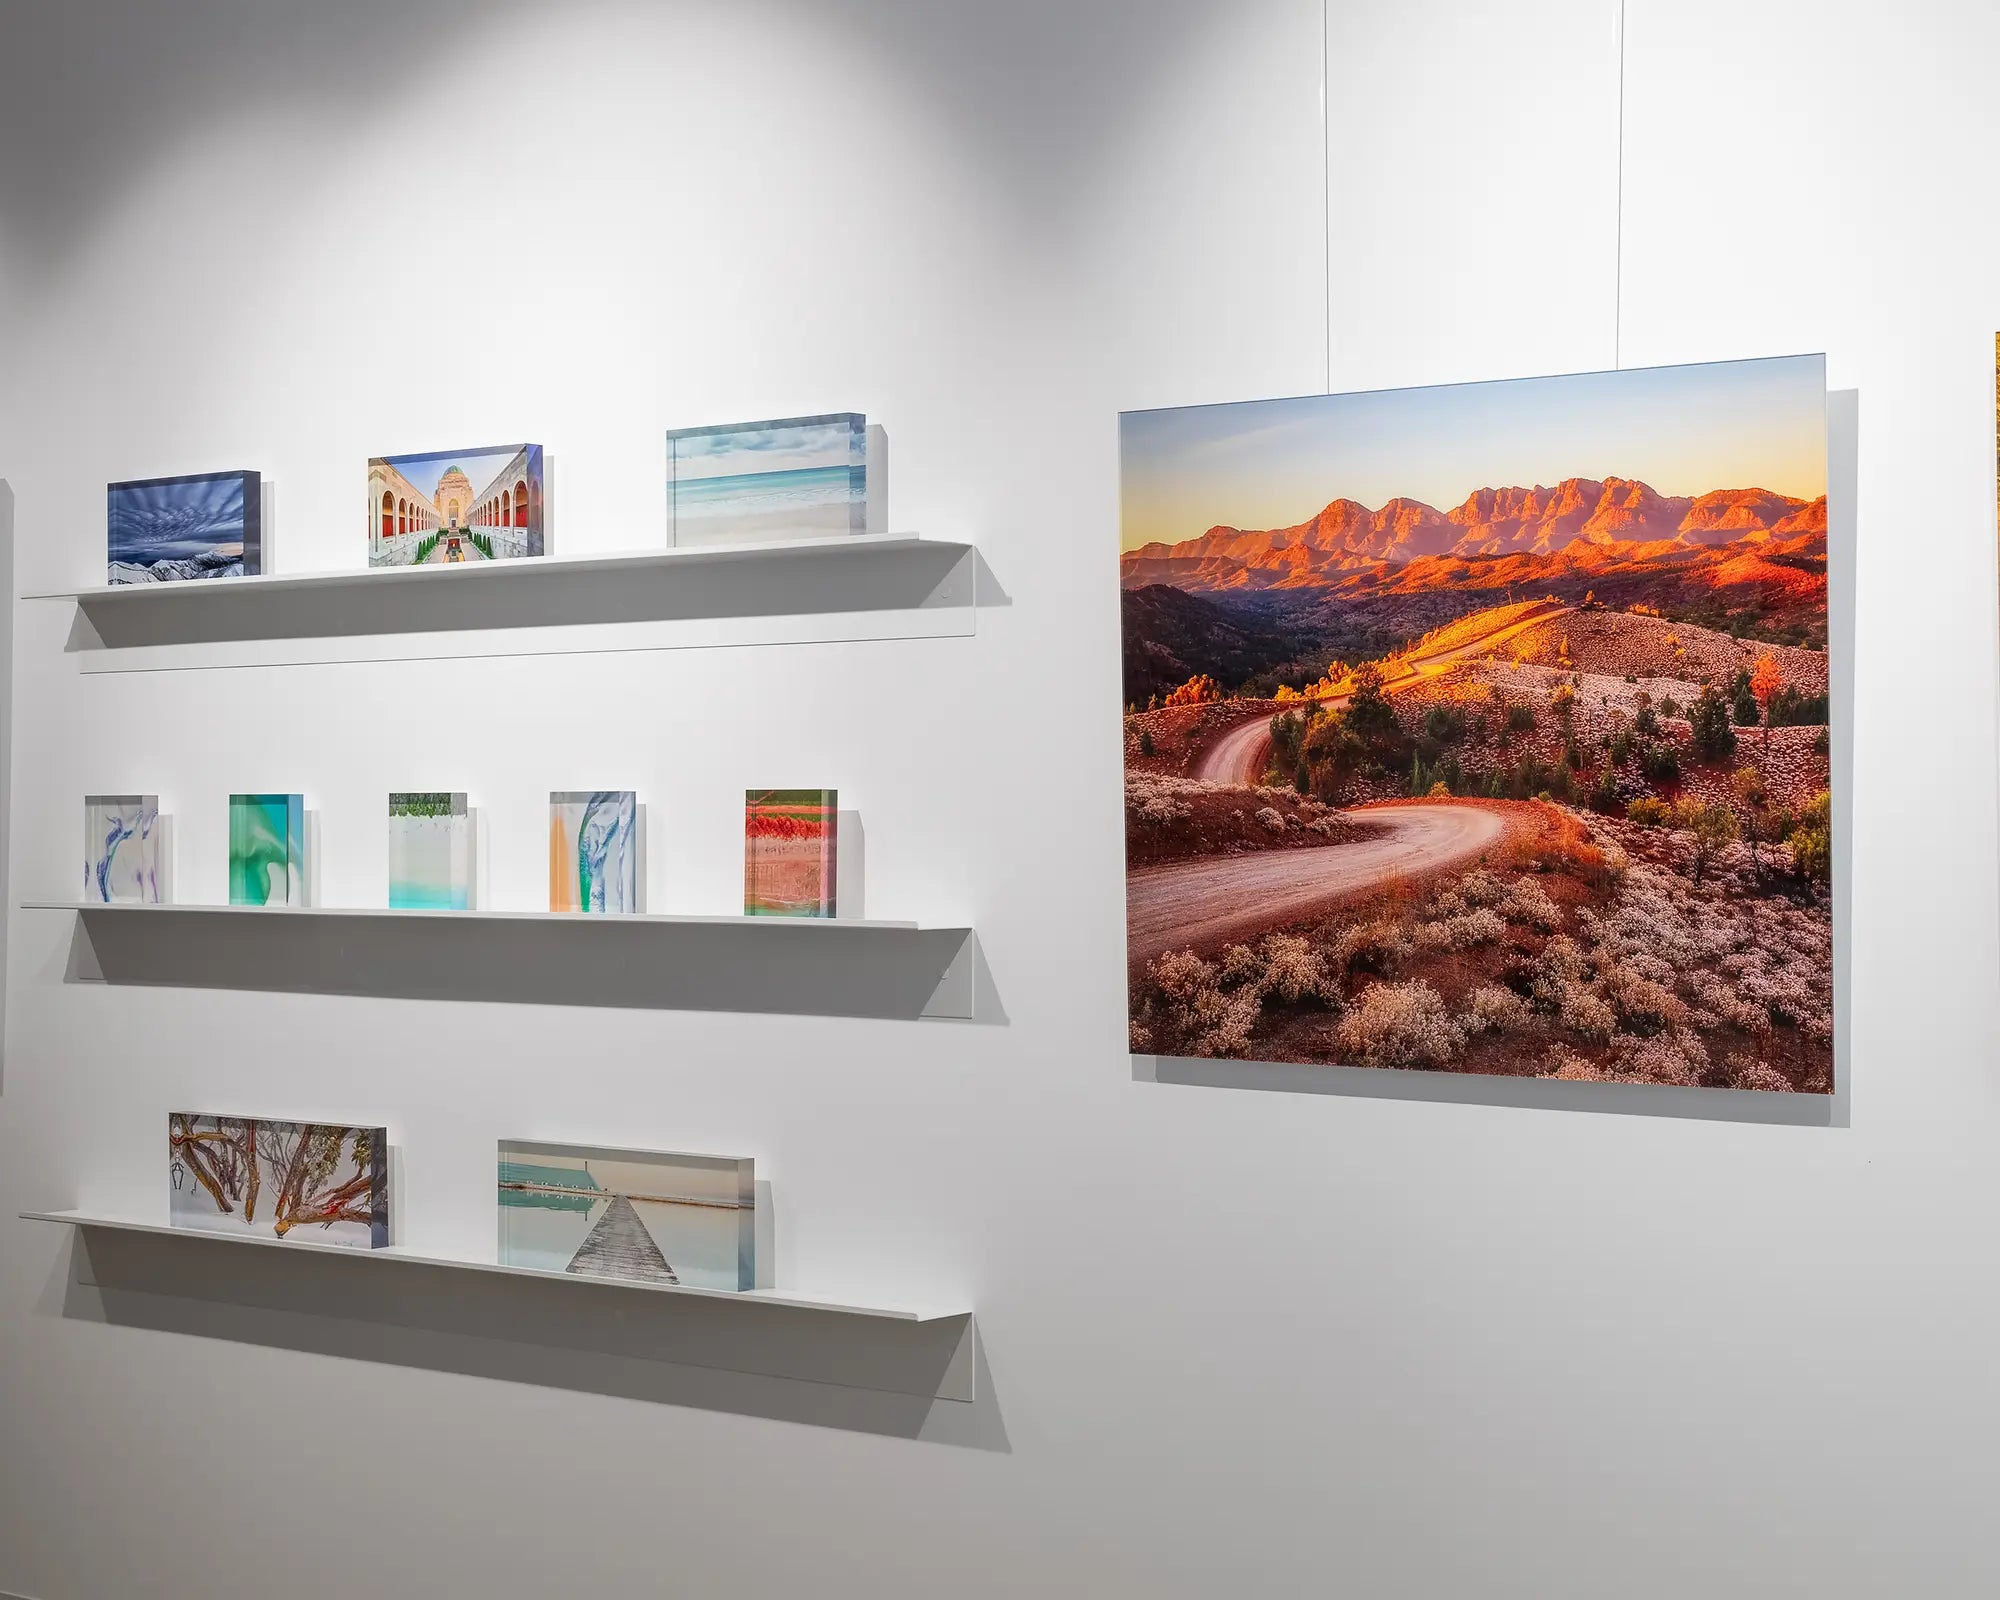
(792, 478)
(160, 530)
(121, 848)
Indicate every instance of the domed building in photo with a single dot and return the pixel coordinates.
(451, 506)
(453, 497)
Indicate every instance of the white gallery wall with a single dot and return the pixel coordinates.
(1406, 1337)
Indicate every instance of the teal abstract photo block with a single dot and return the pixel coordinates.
(267, 849)
(791, 478)
(121, 849)
(430, 852)
(646, 1215)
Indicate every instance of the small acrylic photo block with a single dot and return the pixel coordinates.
(430, 852)
(206, 525)
(594, 850)
(311, 1181)
(641, 1214)
(267, 849)
(456, 507)
(790, 478)
(121, 848)
(790, 852)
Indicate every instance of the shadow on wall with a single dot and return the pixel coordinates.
(120, 102)
(1843, 426)
(6, 751)
(769, 965)
(824, 1369)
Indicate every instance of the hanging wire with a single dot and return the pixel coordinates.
(1618, 246)
(1326, 180)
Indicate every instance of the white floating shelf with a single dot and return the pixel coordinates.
(748, 1297)
(374, 913)
(853, 587)
(527, 569)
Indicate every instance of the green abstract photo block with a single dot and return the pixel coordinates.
(267, 850)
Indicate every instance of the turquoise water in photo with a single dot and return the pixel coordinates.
(806, 499)
(754, 493)
(430, 861)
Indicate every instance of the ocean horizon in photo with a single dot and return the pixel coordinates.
(807, 500)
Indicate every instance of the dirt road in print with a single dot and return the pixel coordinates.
(1204, 903)
(1242, 754)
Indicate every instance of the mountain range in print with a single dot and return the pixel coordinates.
(1612, 519)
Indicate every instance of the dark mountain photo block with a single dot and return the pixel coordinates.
(204, 525)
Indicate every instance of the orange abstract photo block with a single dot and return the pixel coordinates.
(790, 852)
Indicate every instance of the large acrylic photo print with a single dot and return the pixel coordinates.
(1484, 728)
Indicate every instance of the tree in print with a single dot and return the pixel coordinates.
(222, 1159)
(323, 1173)
(320, 1174)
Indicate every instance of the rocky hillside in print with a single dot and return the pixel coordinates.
(1543, 839)
(1170, 637)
